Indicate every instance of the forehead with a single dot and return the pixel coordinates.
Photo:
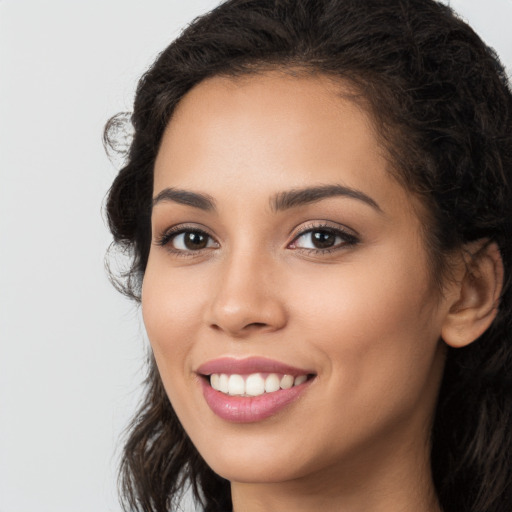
(255, 135)
(249, 121)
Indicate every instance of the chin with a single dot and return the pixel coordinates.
(260, 456)
(255, 470)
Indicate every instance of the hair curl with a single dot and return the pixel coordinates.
(443, 106)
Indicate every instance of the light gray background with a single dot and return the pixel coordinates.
(71, 348)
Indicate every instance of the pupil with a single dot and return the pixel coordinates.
(195, 241)
(323, 239)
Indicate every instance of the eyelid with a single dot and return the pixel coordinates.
(164, 238)
(322, 224)
(349, 236)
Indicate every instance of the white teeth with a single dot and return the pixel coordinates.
(214, 381)
(223, 383)
(236, 385)
(272, 383)
(287, 382)
(254, 384)
(300, 380)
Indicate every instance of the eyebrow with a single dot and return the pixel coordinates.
(302, 196)
(279, 202)
(176, 195)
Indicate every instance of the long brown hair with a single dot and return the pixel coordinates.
(443, 105)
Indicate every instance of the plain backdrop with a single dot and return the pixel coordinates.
(72, 350)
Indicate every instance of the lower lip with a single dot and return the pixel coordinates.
(242, 409)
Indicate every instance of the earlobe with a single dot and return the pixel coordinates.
(477, 296)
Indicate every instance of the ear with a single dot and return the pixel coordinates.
(476, 295)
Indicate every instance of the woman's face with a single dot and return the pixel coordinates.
(283, 246)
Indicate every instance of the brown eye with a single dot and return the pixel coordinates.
(192, 241)
(318, 239)
(323, 239)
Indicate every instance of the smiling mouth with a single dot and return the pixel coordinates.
(254, 384)
(252, 389)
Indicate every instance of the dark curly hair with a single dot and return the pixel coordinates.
(443, 106)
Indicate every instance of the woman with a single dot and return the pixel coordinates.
(317, 202)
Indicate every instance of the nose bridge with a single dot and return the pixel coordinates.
(246, 298)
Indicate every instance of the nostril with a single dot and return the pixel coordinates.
(244, 317)
(242, 330)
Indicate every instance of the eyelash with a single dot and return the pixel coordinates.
(171, 234)
(347, 239)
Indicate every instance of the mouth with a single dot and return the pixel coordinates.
(252, 389)
(254, 384)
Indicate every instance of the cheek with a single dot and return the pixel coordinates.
(171, 310)
(376, 324)
(381, 293)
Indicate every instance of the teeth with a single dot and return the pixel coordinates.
(236, 385)
(287, 382)
(254, 384)
(214, 381)
(271, 383)
(300, 380)
(223, 383)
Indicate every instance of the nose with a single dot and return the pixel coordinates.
(246, 299)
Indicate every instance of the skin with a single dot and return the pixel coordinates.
(365, 316)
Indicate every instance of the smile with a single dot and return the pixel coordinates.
(252, 389)
(255, 384)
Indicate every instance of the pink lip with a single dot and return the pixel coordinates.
(241, 409)
(249, 365)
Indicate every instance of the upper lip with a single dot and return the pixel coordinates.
(231, 365)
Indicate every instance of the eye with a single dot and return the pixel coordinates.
(191, 241)
(187, 240)
(323, 239)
